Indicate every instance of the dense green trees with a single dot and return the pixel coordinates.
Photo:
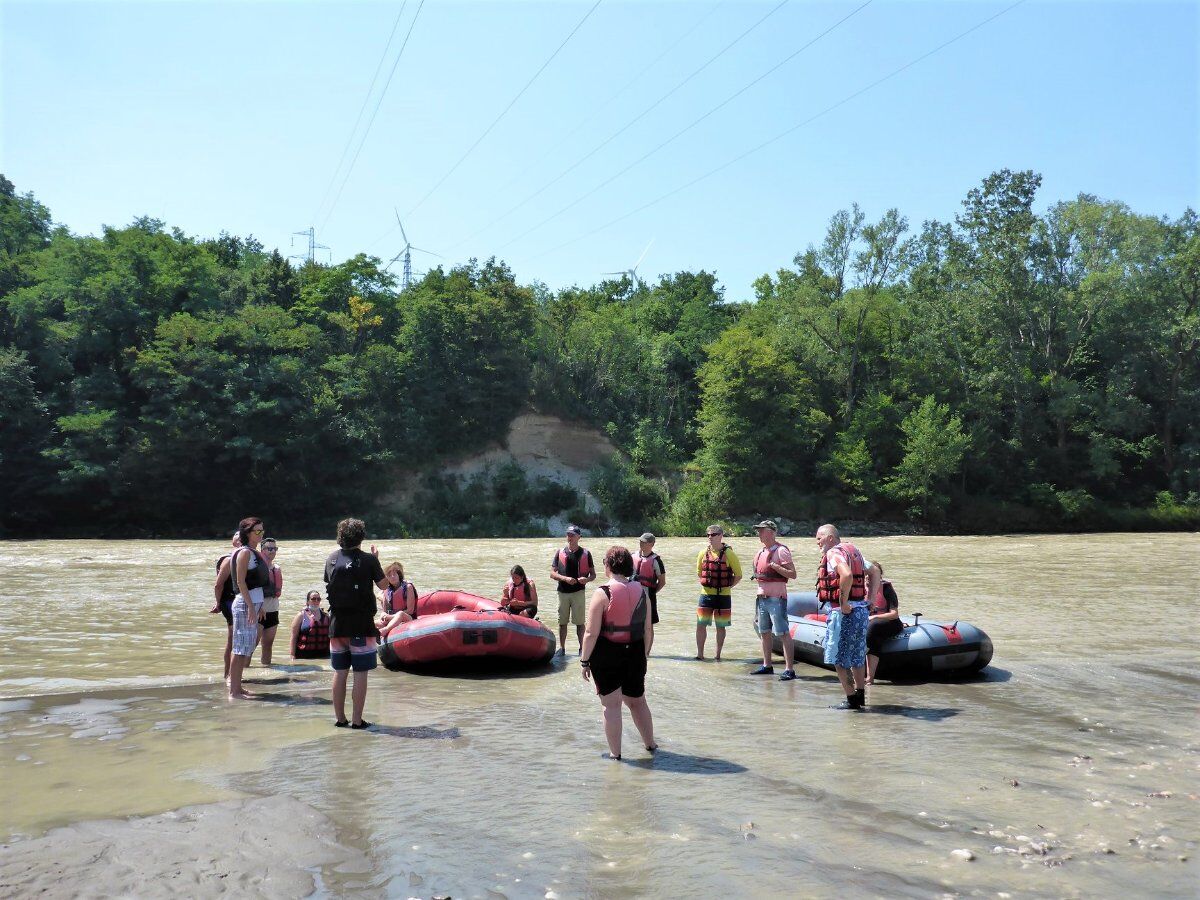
(1009, 369)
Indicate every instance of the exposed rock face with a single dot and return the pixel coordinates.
(543, 446)
(550, 447)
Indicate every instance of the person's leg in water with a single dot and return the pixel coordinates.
(720, 641)
(237, 665)
(767, 654)
(228, 649)
(339, 661)
(363, 658)
(244, 632)
(359, 696)
(872, 665)
(857, 651)
(639, 711)
(612, 721)
(268, 640)
(704, 618)
(339, 694)
(564, 616)
(789, 651)
(579, 637)
(846, 679)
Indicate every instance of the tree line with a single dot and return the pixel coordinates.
(1008, 370)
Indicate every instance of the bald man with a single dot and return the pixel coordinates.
(842, 584)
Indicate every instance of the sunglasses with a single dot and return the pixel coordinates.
(269, 549)
(258, 530)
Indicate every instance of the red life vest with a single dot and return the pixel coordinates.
(511, 589)
(762, 565)
(624, 621)
(645, 570)
(313, 642)
(389, 598)
(585, 563)
(715, 572)
(829, 584)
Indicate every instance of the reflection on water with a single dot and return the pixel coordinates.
(1079, 741)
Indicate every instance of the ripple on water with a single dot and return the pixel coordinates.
(91, 718)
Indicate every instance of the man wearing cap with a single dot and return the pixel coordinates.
(773, 567)
(572, 568)
(719, 571)
(650, 571)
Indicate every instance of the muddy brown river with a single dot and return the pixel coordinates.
(1071, 768)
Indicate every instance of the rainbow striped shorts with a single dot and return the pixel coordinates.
(714, 610)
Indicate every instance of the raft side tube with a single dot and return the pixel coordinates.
(924, 648)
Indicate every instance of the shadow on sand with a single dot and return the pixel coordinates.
(485, 668)
(924, 713)
(989, 674)
(417, 732)
(291, 699)
(684, 763)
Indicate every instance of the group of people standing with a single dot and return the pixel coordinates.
(614, 627)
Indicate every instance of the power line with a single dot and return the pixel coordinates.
(575, 165)
(594, 114)
(504, 111)
(688, 127)
(362, 108)
(784, 133)
(374, 112)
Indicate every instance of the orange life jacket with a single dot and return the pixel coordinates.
(645, 570)
(510, 591)
(389, 598)
(762, 565)
(625, 619)
(585, 563)
(829, 584)
(715, 572)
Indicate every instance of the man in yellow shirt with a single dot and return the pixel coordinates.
(718, 569)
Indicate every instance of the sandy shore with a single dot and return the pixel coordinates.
(213, 850)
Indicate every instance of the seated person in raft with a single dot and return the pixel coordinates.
(884, 622)
(399, 602)
(519, 595)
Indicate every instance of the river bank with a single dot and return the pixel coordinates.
(1070, 769)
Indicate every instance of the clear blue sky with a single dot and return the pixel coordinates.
(234, 116)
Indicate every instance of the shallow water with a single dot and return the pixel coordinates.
(113, 706)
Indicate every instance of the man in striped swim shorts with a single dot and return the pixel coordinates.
(718, 570)
(350, 577)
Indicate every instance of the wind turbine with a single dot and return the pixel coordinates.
(632, 272)
(406, 255)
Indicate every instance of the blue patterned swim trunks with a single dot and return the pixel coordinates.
(846, 638)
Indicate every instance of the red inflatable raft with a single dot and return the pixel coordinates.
(456, 625)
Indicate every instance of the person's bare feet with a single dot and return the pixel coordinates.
(243, 695)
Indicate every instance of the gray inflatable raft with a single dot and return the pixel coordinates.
(921, 648)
